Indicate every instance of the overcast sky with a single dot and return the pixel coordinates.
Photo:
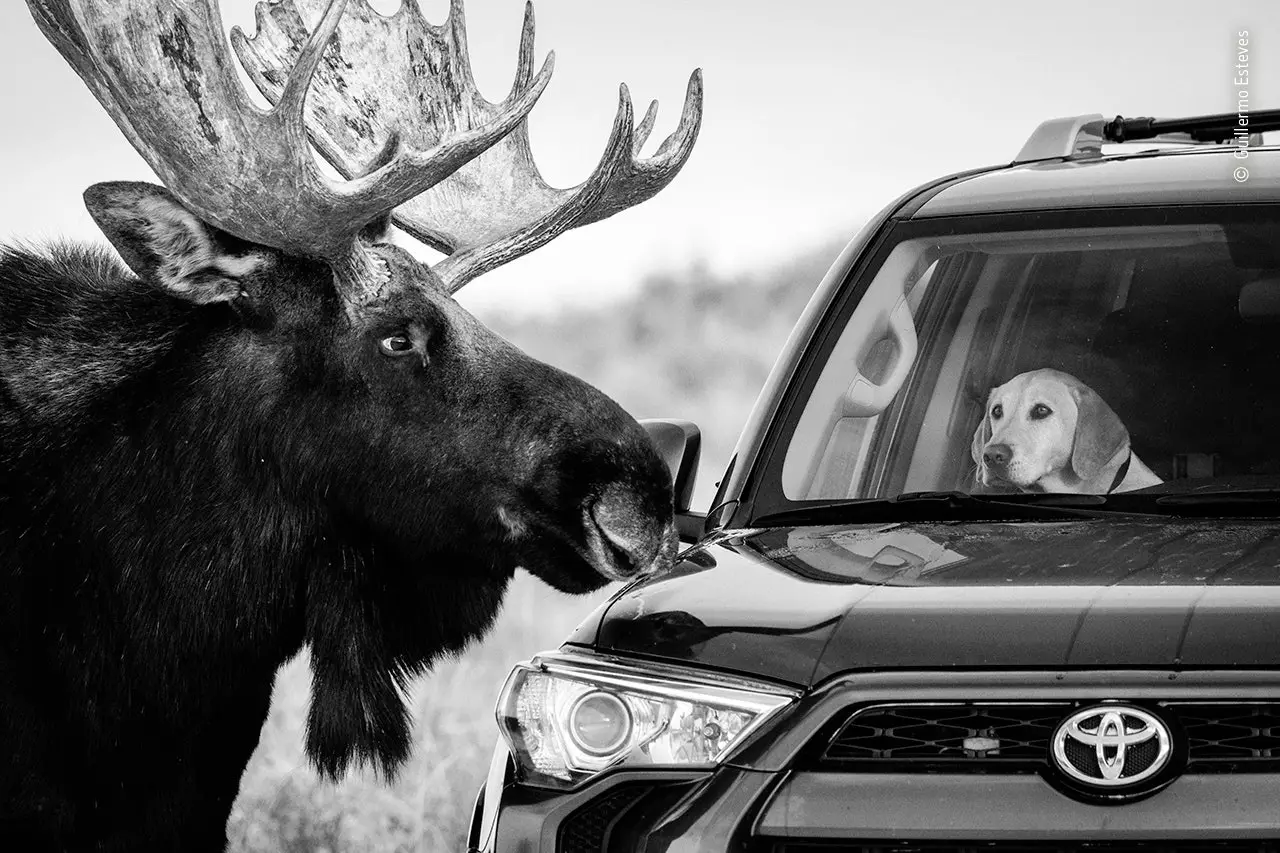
(818, 112)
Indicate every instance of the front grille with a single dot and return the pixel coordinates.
(1231, 736)
(1008, 737)
(1027, 847)
(928, 735)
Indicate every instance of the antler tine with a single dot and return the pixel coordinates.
(619, 181)
(458, 32)
(524, 60)
(293, 98)
(496, 207)
(410, 173)
(679, 145)
(645, 128)
(460, 267)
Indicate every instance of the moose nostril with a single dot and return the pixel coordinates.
(630, 529)
(997, 454)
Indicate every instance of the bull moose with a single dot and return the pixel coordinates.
(275, 428)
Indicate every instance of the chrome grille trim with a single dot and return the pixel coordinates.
(1009, 736)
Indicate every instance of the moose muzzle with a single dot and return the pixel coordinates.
(622, 539)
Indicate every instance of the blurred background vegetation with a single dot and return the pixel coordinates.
(690, 345)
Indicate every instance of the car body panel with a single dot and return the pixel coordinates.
(802, 604)
(1191, 177)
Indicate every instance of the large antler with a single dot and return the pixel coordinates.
(164, 72)
(399, 75)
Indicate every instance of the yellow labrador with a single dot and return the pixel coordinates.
(1046, 431)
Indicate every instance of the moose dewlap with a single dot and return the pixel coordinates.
(270, 428)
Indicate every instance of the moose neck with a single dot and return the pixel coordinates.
(110, 436)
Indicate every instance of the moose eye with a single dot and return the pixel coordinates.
(1040, 411)
(398, 344)
(997, 412)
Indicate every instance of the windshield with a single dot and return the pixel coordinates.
(1084, 353)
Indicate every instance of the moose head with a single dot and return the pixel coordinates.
(444, 429)
(318, 432)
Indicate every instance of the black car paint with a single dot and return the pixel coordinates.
(801, 604)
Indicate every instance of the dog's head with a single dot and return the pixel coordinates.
(1045, 428)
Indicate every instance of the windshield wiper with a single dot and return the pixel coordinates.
(1061, 499)
(1239, 498)
(948, 506)
(1031, 506)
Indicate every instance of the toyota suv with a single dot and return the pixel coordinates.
(996, 563)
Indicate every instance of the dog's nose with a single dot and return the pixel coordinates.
(997, 455)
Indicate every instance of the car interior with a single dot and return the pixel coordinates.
(1177, 327)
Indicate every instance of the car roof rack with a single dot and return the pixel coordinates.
(1080, 137)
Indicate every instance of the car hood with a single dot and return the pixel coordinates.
(801, 604)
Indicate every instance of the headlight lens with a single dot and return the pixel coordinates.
(568, 717)
(600, 723)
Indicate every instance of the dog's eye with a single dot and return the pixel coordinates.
(1040, 411)
(997, 412)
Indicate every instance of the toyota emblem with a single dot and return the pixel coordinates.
(1111, 746)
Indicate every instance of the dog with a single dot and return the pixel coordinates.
(1046, 431)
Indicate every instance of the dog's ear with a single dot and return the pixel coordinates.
(981, 436)
(1100, 434)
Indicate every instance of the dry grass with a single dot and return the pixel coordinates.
(284, 806)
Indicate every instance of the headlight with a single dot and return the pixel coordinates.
(567, 717)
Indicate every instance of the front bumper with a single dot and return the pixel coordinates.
(770, 796)
(627, 810)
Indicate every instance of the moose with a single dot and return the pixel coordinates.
(272, 427)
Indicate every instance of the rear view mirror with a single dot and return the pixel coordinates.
(679, 443)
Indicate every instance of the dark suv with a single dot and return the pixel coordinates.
(996, 563)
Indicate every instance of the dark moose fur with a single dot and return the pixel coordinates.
(189, 493)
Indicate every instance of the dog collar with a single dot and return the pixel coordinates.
(1120, 473)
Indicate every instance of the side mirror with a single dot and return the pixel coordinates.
(679, 443)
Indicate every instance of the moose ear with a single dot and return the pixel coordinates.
(1100, 434)
(165, 243)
